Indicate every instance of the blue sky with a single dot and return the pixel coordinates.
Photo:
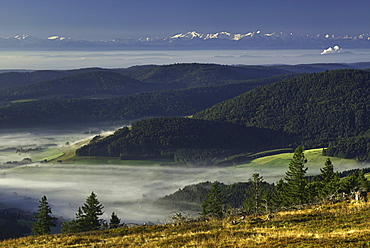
(108, 19)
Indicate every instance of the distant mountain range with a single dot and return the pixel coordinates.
(194, 40)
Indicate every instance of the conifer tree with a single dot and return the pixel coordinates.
(114, 221)
(87, 217)
(279, 195)
(329, 179)
(214, 204)
(44, 219)
(355, 180)
(295, 178)
(76, 225)
(92, 210)
(254, 201)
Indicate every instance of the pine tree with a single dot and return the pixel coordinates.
(44, 219)
(114, 221)
(214, 205)
(295, 178)
(279, 195)
(92, 210)
(329, 179)
(76, 225)
(87, 217)
(356, 180)
(254, 201)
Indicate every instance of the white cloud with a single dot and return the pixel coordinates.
(53, 37)
(330, 50)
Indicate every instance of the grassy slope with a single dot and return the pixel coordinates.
(278, 161)
(277, 165)
(314, 159)
(343, 224)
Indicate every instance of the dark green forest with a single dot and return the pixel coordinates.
(104, 83)
(327, 109)
(319, 108)
(82, 85)
(352, 148)
(196, 75)
(313, 110)
(16, 79)
(125, 109)
(185, 140)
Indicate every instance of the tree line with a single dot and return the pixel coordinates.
(327, 109)
(357, 148)
(86, 219)
(216, 199)
(295, 189)
(185, 140)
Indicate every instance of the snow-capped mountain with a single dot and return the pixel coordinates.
(194, 40)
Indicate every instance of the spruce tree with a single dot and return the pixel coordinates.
(356, 180)
(295, 178)
(214, 204)
(114, 221)
(92, 209)
(329, 179)
(254, 202)
(76, 225)
(44, 219)
(87, 217)
(279, 198)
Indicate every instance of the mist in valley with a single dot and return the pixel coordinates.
(128, 190)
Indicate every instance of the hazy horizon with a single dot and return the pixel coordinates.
(60, 60)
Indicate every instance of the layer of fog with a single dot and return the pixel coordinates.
(40, 60)
(127, 190)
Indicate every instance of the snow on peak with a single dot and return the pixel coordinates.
(272, 34)
(190, 35)
(21, 37)
(56, 37)
(219, 35)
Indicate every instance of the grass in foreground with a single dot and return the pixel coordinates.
(343, 224)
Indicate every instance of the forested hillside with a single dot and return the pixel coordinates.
(318, 107)
(123, 110)
(104, 83)
(185, 140)
(15, 79)
(357, 147)
(89, 84)
(195, 75)
(312, 110)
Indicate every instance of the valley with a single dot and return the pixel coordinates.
(138, 135)
(122, 185)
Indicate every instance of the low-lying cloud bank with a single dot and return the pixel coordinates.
(331, 50)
